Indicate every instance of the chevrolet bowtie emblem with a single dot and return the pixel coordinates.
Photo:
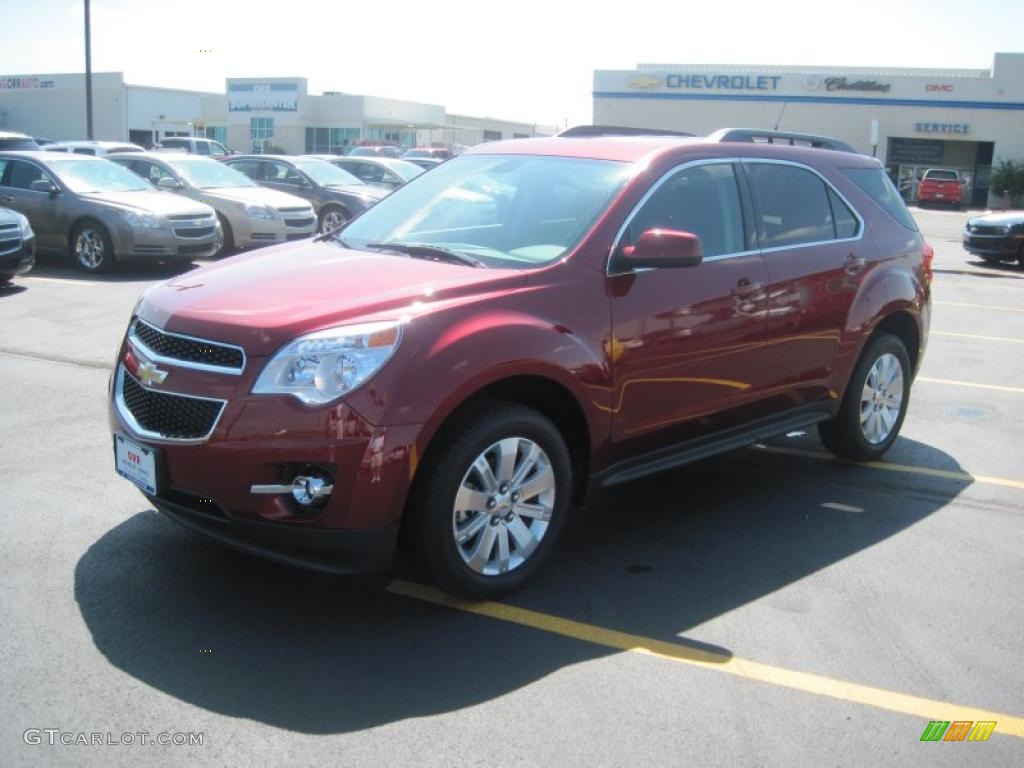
(149, 374)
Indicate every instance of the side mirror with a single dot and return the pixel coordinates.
(664, 248)
(43, 185)
(167, 182)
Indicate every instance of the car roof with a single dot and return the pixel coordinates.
(45, 156)
(92, 143)
(643, 149)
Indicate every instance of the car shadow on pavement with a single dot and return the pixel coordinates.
(57, 266)
(11, 288)
(658, 557)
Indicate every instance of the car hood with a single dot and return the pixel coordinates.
(263, 299)
(256, 196)
(160, 203)
(1007, 217)
(362, 190)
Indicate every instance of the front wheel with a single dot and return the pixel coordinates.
(491, 502)
(332, 219)
(875, 403)
(91, 247)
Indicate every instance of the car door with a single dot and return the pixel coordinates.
(283, 177)
(687, 345)
(816, 256)
(40, 208)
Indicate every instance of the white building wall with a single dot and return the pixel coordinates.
(53, 105)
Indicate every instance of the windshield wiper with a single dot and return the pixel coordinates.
(432, 252)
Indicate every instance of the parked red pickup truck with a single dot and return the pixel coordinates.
(941, 186)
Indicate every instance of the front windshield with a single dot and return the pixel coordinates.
(511, 211)
(85, 176)
(209, 174)
(325, 174)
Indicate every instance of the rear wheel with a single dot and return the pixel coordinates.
(875, 403)
(91, 247)
(491, 502)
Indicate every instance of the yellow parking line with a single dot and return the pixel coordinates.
(970, 384)
(979, 306)
(880, 698)
(974, 336)
(965, 477)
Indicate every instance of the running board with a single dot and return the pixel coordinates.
(705, 447)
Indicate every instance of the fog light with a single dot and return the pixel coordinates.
(308, 489)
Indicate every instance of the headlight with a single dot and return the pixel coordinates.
(320, 367)
(23, 226)
(259, 212)
(140, 220)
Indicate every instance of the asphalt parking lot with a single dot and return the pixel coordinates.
(768, 607)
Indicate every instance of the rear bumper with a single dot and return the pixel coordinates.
(19, 261)
(329, 551)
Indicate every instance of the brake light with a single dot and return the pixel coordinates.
(927, 254)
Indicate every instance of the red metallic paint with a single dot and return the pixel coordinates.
(651, 358)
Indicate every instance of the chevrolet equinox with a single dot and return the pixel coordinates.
(531, 321)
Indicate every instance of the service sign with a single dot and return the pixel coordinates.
(957, 128)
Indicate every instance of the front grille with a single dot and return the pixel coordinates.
(9, 245)
(150, 249)
(982, 229)
(299, 235)
(193, 231)
(300, 209)
(187, 349)
(191, 217)
(175, 417)
(299, 222)
(263, 236)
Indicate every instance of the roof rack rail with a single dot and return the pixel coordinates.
(590, 131)
(763, 136)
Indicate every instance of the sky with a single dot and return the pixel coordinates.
(530, 61)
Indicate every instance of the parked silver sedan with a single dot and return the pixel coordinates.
(102, 213)
(250, 215)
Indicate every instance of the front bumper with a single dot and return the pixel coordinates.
(206, 484)
(19, 259)
(137, 243)
(1004, 246)
(253, 233)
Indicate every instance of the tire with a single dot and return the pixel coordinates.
(502, 544)
(1020, 257)
(331, 217)
(91, 247)
(227, 245)
(864, 429)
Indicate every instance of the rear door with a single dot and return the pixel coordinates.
(687, 344)
(816, 257)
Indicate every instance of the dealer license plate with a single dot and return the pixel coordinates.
(136, 463)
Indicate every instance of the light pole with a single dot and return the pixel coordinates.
(88, 76)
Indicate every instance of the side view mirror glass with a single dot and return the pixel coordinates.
(166, 182)
(664, 248)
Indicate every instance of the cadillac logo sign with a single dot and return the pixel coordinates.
(811, 82)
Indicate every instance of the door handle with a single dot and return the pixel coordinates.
(745, 288)
(854, 264)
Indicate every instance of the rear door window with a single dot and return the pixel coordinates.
(793, 205)
(845, 221)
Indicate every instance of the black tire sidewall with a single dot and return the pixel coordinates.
(330, 209)
(227, 236)
(856, 444)
(434, 543)
(108, 247)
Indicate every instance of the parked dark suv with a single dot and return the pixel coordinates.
(528, 322)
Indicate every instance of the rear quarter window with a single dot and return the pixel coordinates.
(876, 184)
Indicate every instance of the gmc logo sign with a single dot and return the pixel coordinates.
(943, 88)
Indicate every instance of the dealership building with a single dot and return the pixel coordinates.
(911, 119)
(253, 114)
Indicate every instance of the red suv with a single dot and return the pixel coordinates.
(529, 322)
(939, 185)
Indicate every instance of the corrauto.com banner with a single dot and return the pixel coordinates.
(24, 83)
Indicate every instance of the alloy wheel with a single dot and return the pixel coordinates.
(503, 506)
(881, 399)
(332, 220)
(90, 249)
